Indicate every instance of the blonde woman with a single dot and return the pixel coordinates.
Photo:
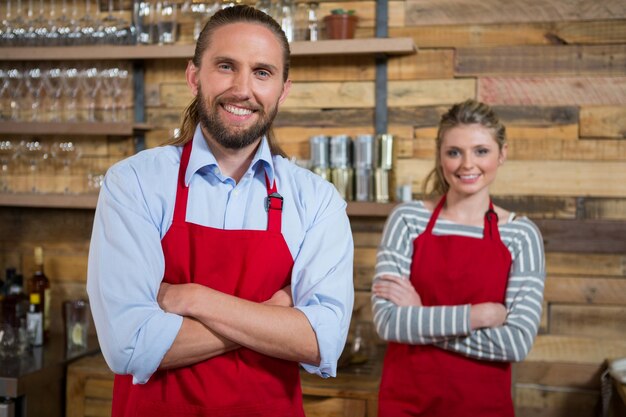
(459, 282)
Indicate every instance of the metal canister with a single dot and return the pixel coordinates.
(342, 179)
(364, 184)
(364, 153)
(320, 151)
(340, 151)
(384, 148)
(381, 186)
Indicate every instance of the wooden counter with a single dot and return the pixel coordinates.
(354, 393)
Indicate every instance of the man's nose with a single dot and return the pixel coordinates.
(242, 86)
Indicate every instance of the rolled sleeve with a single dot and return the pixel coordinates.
(125, 269)
(322, 283)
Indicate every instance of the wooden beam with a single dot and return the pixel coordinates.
(585, 290)
(540, 178)
(556, 91)
(603, 122)
(586, 264)
(568, 60)
(586, 236)
(509, 34)
(571, 349)
(558, 374)
(596, 321)
(437, 12)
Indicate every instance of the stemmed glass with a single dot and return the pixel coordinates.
(4, 88)
(121, 84)
(90, 82)
(71, 84)
(16, 87)
(18, 26)
(53, 83)
(33, 153)
(65, 154)
(125, 31)
(108, 76)
(34, 84)
(110, 23)
(200, 11)
(8, 152)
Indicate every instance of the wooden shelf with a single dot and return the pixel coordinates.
(71, 128)
(88, 201)
(82, 201)
(366, 209)
(387, 46)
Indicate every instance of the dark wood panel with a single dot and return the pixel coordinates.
(542, 60)
(539, 207)
(586, 236)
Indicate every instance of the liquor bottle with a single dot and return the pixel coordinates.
(15, 303)
(40, 284)
(34, 320)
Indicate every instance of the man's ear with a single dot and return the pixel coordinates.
(285, 93)
(191, 74)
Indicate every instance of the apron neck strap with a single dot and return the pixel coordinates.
(435, 215)
(182, 191)
(491, 220)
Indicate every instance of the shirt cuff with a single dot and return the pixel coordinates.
(330, 339)
(153, 342)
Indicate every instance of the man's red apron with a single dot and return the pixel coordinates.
(250, 264)
(424, 380)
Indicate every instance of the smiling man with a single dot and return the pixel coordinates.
(216, 265)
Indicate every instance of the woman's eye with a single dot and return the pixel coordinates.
(482, 151)
(452, 153)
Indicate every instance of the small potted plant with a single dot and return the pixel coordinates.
(340, 24)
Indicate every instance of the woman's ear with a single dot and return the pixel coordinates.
(503, 153)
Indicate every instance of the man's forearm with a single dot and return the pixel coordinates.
(277, 331)
(194, 343)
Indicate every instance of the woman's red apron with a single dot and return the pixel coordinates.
(424, 380)
(250, 264)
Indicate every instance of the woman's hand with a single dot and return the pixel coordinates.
(281, 297)
(398, 290)
(487, 315)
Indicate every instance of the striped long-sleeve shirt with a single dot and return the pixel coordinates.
(448, 327)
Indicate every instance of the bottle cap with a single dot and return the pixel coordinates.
(35, 298)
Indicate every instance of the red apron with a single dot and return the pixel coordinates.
(424, 380)
(250, 264)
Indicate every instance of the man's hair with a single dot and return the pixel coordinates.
(227, 16)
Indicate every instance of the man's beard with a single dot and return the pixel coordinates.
(237, 139)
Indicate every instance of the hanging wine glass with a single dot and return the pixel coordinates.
(110, 23)
(65, 154)
(121, 85)
(108, 76)
(4, 94)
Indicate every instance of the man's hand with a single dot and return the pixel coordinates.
(398, 290)
(281, 298)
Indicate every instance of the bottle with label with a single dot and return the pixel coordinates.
(40, 284)
(34, 321)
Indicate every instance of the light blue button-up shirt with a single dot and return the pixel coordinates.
(135, 210)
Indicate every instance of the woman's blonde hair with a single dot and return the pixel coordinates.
(466, 113)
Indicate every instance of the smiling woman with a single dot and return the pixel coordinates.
(457, 292)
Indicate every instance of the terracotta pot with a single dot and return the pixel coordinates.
(340, 26)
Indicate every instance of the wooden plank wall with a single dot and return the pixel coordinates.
(555, 70)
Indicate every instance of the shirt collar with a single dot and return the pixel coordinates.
(201, 156)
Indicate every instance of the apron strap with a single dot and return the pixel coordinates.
(273, 206)
(182, 192)
(434, 216)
